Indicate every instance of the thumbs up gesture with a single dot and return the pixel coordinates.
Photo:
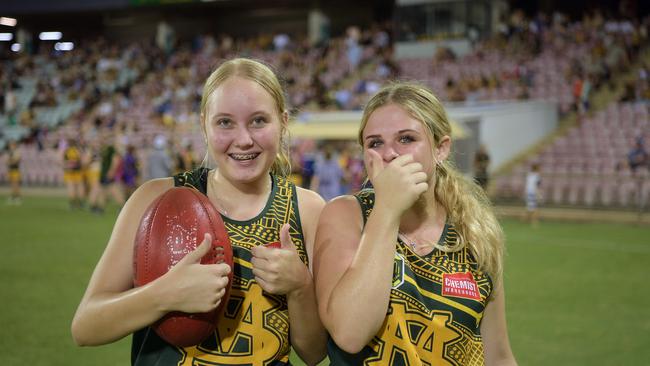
(397, 184)
(280, 271)
(193, 287)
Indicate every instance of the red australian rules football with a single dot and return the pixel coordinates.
(173, 226)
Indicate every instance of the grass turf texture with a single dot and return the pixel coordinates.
(576, 293)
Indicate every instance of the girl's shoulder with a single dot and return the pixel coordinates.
(309, 200)
(343, 207)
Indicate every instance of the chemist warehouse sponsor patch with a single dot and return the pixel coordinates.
(460, 285)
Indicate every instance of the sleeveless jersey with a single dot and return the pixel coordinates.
(435, 309)
(13, 162)
(72, 159)
(254, 327)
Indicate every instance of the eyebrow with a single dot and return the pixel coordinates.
(224, 114)
(398, 132)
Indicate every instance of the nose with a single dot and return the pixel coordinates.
(389, 154)
(243, 138)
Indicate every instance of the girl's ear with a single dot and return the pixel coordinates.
(443, 149)
(285, 119)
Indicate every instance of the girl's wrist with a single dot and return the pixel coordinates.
(303, 289)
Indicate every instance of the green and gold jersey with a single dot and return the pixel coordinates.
(13, 161)
(435, 309)
(72, 159)
(254, 327)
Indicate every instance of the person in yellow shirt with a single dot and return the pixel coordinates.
(72, 173)
(13, 163)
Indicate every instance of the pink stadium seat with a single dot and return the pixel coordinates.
(591, 186)
(627, 188)
(559, 185)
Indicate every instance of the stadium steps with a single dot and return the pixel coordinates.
(599, 100)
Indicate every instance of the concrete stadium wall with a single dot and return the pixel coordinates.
(508, 128)
(419, 49)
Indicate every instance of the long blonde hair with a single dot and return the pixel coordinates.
(263, 75)
(467, 206)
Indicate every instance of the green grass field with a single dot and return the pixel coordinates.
(576, 293)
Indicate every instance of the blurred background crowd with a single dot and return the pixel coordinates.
(114, 100)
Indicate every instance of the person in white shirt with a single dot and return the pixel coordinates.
(533, 182)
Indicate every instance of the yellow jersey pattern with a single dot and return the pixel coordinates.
(72, 159)
(254, 327)
(425, 324)
(13, 165)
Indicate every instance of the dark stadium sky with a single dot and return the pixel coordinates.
(381, 8)
(82, 18)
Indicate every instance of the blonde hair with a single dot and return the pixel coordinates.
(467, 206)
(264, 76)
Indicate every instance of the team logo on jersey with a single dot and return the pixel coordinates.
(398, 270)
(252, 331)
(411, 337)
(460, 285)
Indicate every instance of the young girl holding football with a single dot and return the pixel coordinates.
(271, 307)
(409, 272)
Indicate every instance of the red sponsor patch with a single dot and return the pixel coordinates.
(460, 285)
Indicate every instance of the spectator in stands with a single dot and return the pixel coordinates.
(354, 172)
(13, 168)
(130, 171)
(443, 54)
(185, 158)
(281, 42)
(91, 162)
(110, 172)
(638, 156)
(454, 91)
(165, 37)
(533, 182)
(308, 163)
(353, 50)
(272, 307)
(423, 239)
(585, 94)
(328, 175)
(577, 93)
(10, 106)
(159, 163)
(481, 163)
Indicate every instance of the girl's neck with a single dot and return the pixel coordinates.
(239, 201)
(424, 216)
(229, 188)
(422, 225)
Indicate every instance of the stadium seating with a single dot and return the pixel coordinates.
(125, 87)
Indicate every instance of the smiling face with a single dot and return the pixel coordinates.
(243, 127)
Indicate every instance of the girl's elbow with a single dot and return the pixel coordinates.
(78, 335)
(82, 334)
(80, 342)
(343, 332)
(349, 341)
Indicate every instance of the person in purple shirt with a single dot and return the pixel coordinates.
(328, 176)
(130, 171)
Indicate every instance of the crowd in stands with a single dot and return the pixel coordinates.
(123, 98)
(603, 160)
